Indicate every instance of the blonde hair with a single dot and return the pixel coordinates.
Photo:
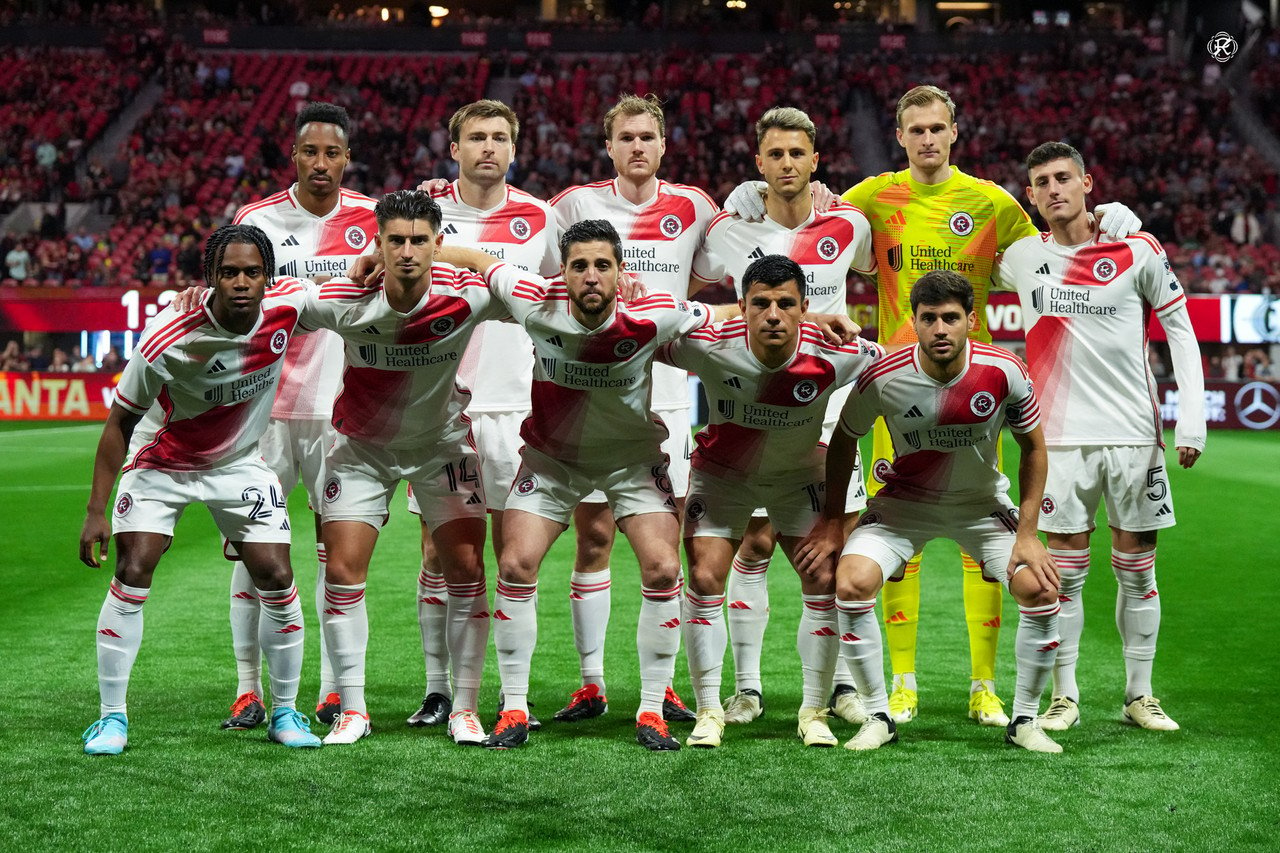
(924, 95)
(786, 118)
(634, 105)
(486, 108)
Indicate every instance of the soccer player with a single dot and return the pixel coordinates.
(932, 216)
(944, 401)
(189, 409)
(316, 229)
(662, 226)
(769, 379)
(1086, 303)
(481, 210)
(826, 246)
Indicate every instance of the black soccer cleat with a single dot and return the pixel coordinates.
(247, 712)
(328, 709)
(585, 703)
(534, 723)
(652, 734)
(436, 708)
(511, 731)
(675, 711)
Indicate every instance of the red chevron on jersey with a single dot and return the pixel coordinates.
(345, 235)
(371, 402)
(1097, 265)
(823, 242)
(619, 341)
(514, 222)
(191, 444)
(269, 345)
(802, 382)
(975, 399)
(437, 319)
(668, 218)
(561, 417)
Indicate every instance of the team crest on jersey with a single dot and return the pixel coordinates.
(527, 485)
(332, 489)
(671, 226)
(123, 504)
(1047, 506)
(625, 348)
(961, 224)
(279, 340)
(696, 510)
(442, 326)
(520, 228)
(869, 518)
(828, 248)
(982, 403)
(805, 390)
(881, 470)
(895, 257)
(355, 237)
(1105, 269)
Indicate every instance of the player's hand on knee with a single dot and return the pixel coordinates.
(432, 185)
(1030, 556)
(747, 201)
(819, 545)
(1187, 456)
(189, 298)
(96, 531)
(365, 268)
(1116, 221)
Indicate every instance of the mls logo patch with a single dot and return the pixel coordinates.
(279, 341)
(671, 226)
(332, 489)
(961, 224)
(123, 504)
(1047, 506)
(355, 237)
(982, 403)
(696, 510)
(442, 326)
(1104, 269)
(805, 390)
(625, 348)
(527, 485)
(828, 248)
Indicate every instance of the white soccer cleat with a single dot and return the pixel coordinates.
(847, 704)
(465, 728)
(743, 706)
(813, 728)
(1145, 711)
(1062, 714)
(1026, 733)
(707, 729)
(348, 728)
(875, 733)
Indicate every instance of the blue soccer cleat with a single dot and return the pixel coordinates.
(292, 729)
(108, 736)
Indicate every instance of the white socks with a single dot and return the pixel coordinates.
(433, 599)
(1137, 618)
(119, 637)
(468, 636)
(345, 623)
(818, 645)
(1036, 648)
(657, 641)
(515, 634)
(590, 603)
(862, 647)
(705, 638)
(280, 634)
(748, 597)
(1073, 568)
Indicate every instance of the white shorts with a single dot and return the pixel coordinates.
(721, 508)
(362, 478)
(498, 443)
(1131, 478)
(551, 489)
(244, 498)
(892, 531)
(295, 449)
(678, 446)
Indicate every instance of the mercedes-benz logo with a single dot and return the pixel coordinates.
(1258, 405)
(1222, 46)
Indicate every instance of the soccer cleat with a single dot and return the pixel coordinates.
(511, 731)
(707, 730)
(585, 703)
(1026, 733)
(465, 728)
(652, 734)
(903, 702)
(1062, 714)
(987, 709)
(534, 723)
(813, 728)
(246, 712)
(349, 728)
(847, 704)
(743, 706)
(292, 729)
(436, 708)
(875, 733)
(327, 708)
(674, 710)
(1145, 711)
(108, 736)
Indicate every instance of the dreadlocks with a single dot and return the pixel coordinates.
(216, 246)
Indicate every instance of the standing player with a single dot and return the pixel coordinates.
(944, 400)
(317, 229)
(1086, 302)
(200, 387)
(769, 379)
(826, 246)
(662, 226)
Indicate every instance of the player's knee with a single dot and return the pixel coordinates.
(857, 586)
(661, 573)
(517, 567)
(705, 580)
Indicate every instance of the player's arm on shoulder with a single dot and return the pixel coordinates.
(1029, 553)
(838, 329)
(1116, 220)
(472, 259)
(95, 534)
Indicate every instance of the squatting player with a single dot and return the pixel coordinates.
(1086, 303)
(189, 409)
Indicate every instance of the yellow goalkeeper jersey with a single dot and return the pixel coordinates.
(961, 224)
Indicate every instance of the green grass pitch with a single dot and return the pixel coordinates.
(184, 784)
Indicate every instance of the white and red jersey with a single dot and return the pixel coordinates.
(399, 387)
(663, 245)
(307, 246)
(592, 387)
(1086, 310)
(205, 393)
(498, 365)
(826, 246)
(766, 423)
(945, 436)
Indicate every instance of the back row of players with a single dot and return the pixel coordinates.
(592, 429)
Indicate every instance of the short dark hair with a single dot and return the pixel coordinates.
(324, 113)
(772, 271)
(408, 204)
(1047, 152)
(216, 246)
(483, 109)
(939, 287)
(589, 231)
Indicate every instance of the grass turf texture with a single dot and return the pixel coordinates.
(949, 784)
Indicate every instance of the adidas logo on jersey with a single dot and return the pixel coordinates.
(757, 254)
(555, 341)
(292, 241)
(449, 229)
(1044, 270)
(733, 382)
(1164, 510)
(913, 412)
(474, 499)
(372, 330)
(216, 367)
